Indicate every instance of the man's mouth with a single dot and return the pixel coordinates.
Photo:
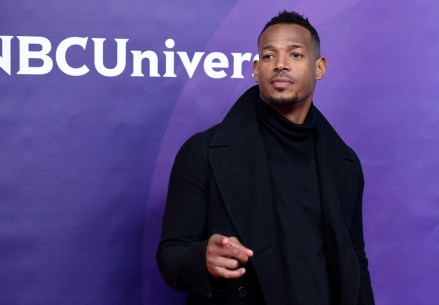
(281, 82)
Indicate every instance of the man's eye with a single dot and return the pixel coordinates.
(296, 55)
(267, 56)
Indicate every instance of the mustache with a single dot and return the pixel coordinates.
(283, 75)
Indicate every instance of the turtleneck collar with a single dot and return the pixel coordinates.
(286, 140)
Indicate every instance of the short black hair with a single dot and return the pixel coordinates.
(285, 17)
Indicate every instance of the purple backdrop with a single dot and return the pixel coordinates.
(86, 159)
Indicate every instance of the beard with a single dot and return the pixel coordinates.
(286, 101)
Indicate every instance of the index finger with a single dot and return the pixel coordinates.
(234, 242)
(219, 240)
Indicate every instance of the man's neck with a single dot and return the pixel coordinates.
(295, 113)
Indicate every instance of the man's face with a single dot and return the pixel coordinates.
(288, 65)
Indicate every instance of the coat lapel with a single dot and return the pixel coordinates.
(240, 167)
(243, 180)
(335, 174)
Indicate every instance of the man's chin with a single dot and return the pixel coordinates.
(283, 101)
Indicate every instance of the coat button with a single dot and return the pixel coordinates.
(242, 292)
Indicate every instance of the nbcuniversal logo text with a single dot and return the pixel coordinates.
(37, 56)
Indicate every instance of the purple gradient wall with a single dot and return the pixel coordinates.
(86, 159)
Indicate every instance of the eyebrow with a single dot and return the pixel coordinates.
(289, 47)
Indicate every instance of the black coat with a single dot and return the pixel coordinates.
(220, 183)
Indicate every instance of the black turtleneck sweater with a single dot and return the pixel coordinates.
(292, 161)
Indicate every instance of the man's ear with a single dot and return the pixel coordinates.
(255, 70)
(320, 68)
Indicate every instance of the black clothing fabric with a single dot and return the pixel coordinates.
(292, 162)
(220, 183)
(286, 141)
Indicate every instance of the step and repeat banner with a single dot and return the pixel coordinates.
(97, 97)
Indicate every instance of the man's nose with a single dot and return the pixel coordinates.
(282, 63)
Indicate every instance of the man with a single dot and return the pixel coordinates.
(265, 208)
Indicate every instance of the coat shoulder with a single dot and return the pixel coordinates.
(199, 140)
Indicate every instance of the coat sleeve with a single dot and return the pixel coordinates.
(365, 296)
(181, 252)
